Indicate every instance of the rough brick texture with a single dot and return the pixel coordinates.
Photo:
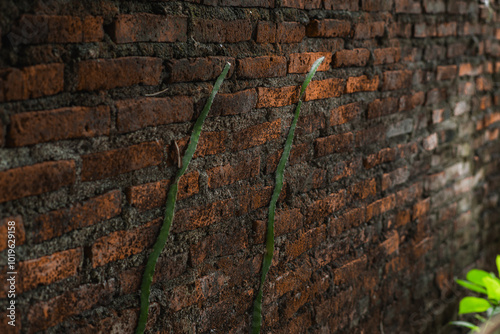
(390, 191)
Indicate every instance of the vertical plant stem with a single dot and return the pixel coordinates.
(159, 245)
(268, 256)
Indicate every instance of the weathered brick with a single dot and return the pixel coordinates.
(381, 206)
(144, 27)
(97, 166)
(233, 104)
(391, 244)
(430, 142)
(370, 136)
(409, 194)
(302, 62)
(346, 113)
(121, 244)
(58, 222)
(154, 194)
(198, 69)
(333, 144)
(17, 227)
(286, 221)
(120, 72)
(394, 178)
(81, 299)
(201, 216)
(383, 156)
(376, 5)
(410, 102)
(386, 56)
(290, 32)
(45, 270)
(138, 113)
(228, 174)
(400, 128)
(350, 271)
(394, 80)
(434, 6)
(363, 189)
(361, 84)
(446, 29)
(266, 32)
(435, 96)
(328, 28)
(408, 6)
(324, 89)
(217, 31)
(93, 30)
(421, 208)
(277, 97)
(350, 5)
(31, 82)
(209, 143)
(322, 208)
(351, 219)
(306, 241)
(469, 69)
(262, 67)
(35, 127)
(382, 107)
(346, 169)
(369, 30)
(310, 123)
(302, 4)
(298, 154)
(220, 244)
(256, 135)
(36, 179)
(347, 58)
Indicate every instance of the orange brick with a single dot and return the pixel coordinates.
(346, 113)
(209, 143)
(256, 135)
(324, 89)
(302, 62)
(361, 84)
(277, 97)
(262, 67)
(363, 189)
(391, 244)
(379, 207)
(305, 241)
(351, 219)
(266, 32)
(346, 169)
(228, 174)
(56, 223)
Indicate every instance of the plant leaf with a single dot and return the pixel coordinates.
(147, 278)
(476, 276)
(493, 288)
(473, 305)
(268, 256)
(498, 264)
(471, 286)
(464, 324)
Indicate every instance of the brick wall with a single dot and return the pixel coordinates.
(391, 190)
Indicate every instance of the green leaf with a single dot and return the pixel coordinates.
(476, 276)
(473, 305)
(493, 288)
(464, 324)
(498, 264)
(268, 257)
(147, 278)
(471, 286)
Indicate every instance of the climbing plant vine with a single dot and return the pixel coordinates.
(159, 245)
(268, 256)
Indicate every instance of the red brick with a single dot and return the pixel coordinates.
(322, 208)
(262, 67)
(333, 144)
(370, 136)
(379, 207)
(209, 143)
(201, 216)
(81, 299)
(328, 28)
(346, 113)
(93, 30)
(361, 84)
(386, 56)
(31, 82)
(121, 244)
(138, 113)
(351, 219)
(369, 30)
(398, 176)
(233, 104)
(277, 97)
(302, 62)
(198, 69)
(410, 102)
(256, 135)
(290, 32)
(97, 166)
(220, 244)
(35, 127)
(45, 270)
(348, 58)
(152, 195)
(324, 89)
(217, 31)
(408, 6)
(266, 32)
(16, 225)
(394, 80)
(382, 107)
(228, 174)
(305, 241)
(56, 223)
(144, 27)
(383, 156)
(120, 72)
(363, 189)
(286, 221)
(36, 179)
(346, 169)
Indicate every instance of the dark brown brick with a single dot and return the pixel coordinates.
(198, 69)
(228, 174)
(233, 104)
(386, 56)
(345, 114)
(363, 189)
(394, 80)
(382, 107)
(143, 27)
(209, 143)
(266, 32)
(12, 224)
(328, 28)
(369, 30)
(256, 135)
(290, 32)
(348, 58)
(262, 67)
(333, 144)
(220, 244)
